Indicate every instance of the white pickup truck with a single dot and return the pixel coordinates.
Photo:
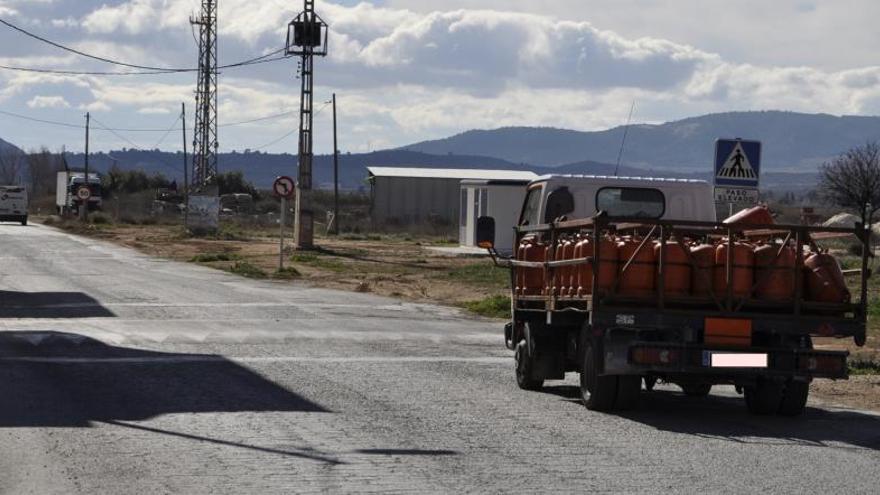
(13, 204)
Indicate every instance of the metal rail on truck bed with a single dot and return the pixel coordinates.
(797, 316)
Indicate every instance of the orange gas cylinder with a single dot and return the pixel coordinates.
(677, 268)
(520, 272)
(564, 248)
(533, 278)
(608, 259)
(701, 278)
(758, 215)
(775, 275)
(637, 279)
(824, 279)
(742, 269)
(565, 288)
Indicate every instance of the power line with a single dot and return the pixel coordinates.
(149, 69)
(79, 126)
(104, 127)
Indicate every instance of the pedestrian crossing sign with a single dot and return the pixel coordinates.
(737, 162)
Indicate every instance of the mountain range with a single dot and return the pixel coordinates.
(794, 144)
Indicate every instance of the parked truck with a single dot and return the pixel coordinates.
(68, 182)
(631, 280)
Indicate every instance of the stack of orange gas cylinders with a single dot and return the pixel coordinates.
(761, 270)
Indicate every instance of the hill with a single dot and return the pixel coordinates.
(793, 142)
(263, 168)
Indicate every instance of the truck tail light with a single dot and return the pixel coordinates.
(818, 363)
(657, 356)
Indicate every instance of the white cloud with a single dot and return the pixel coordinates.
(48, 102)
(153, 111)
(95, 106)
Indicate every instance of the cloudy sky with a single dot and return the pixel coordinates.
(407, 70)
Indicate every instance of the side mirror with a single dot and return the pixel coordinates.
(486, 232)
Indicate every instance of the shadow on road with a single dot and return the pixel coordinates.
(50, 305)
(726, 418)
(61, 379)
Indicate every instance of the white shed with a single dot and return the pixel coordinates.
(405, 196)
(499, 199)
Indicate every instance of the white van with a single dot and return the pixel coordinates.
(13, 204)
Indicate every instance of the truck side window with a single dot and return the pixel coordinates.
(529, 215)
(631, 202)
(559, 202)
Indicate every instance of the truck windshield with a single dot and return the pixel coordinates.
(631, 202)
(532, 204)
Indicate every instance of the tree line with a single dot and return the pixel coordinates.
(38, 170)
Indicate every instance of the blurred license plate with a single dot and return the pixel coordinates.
(734, 359)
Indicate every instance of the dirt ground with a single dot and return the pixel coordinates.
(407, 268)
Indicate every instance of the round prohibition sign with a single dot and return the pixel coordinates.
(284, 187)
(84, 193)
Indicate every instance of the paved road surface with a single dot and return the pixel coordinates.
(121, 373)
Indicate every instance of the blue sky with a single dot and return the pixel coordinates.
(407, 70)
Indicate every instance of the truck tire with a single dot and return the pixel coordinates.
(794, 398)
(764, 397)
(599, 393)
(525, 368)
(695, 389)
(24, 222)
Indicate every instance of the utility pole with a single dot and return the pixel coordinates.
(185, 165)
(205, 131)
(306, 37)
(84, 206)
(335, 173)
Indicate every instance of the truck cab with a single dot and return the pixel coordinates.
(582, 196)
(632, 280)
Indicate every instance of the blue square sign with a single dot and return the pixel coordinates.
(737, 162)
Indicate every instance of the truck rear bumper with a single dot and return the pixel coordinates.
(12, 218)
(722, 363)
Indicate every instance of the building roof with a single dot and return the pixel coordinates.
(451, 173)
(611, 178)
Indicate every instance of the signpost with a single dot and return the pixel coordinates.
(83, 193)
(737, 171)
(284, 188)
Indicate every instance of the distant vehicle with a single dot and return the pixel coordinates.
(65, 193)
(13, 204)
(236, 204)
(626, 280)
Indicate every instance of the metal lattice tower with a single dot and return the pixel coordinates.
(204, 164)
(306, 37)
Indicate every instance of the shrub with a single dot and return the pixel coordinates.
(212, 257)
(286, 273)
(248, 270)
(490, 307)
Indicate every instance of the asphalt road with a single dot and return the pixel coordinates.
(121, 373)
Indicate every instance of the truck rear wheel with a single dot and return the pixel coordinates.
(525, 368)
(598, 392)
(794, 398)
(764, 397)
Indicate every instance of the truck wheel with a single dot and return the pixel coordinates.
(764, 397)
(695, 389)
(525, 368)
(794, 398)
(24, 222)
(599, 393)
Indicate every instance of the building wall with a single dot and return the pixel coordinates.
(503, 204)
(409, 200)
